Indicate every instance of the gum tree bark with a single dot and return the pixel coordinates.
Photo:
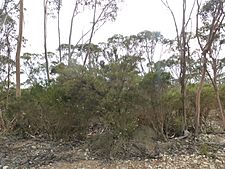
(18, 51)
(45, 40)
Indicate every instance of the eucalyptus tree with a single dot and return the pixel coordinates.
(132, 46)
(45, 5)
(141, 46)
(148, 42)
(182, 44)
(115, 47)
(58, 6)
(94, 51)
(103, 11)
(75, 12)
(212, 17)
(119, 46)
(33, 68)
(18, 51)
(8, 15)
(215, 63)
(8, 7)
(7, 44)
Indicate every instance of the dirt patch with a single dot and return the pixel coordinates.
(206, 151)
(35, 152)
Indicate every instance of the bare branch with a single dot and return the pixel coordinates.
(197, 25)
(166, 4)
(189, 17)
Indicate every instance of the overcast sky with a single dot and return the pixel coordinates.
(134, 16)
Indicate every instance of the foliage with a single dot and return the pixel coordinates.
(127, 88)
(208, 101)
(48, 112)
(122, 95)
(66, 107)
(122, 87)
(114, 93)
(153, 112)
(222, 94)
(172, 104)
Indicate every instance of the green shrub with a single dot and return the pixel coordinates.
(66, 107)
(204, 149)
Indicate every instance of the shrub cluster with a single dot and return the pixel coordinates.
(113, 99)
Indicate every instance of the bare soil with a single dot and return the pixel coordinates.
(206, 152)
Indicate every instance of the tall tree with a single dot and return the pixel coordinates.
(75, 12)
(102, 11)
(45, 39)
(214, 9)
(8, 43)
(182, 44)
(148, 43)
(4, 12)
(19, 45)
(58, 8)
(214, 80)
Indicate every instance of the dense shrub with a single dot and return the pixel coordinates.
(172, 106)
(122, 97)
(67, 107)
(208, 102)
(152, 111)
(222, 94)
(59, 110)
(114, 97)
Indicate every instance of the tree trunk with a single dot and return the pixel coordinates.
(182, 42)
(91, 36)
(19, 45)
(220, 108)
(198, 96)
(183, 68)
(59, 38)
(71, 31)
(183, 93)
(217, 21)
(45, 40)
(8, 73)
(215, 86)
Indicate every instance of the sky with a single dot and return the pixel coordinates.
(133, 17)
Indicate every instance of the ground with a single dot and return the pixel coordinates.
(205, 152)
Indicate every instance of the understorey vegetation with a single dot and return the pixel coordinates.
(129, 88)
(111, 99)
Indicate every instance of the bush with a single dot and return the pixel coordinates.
(119, 104)
(152, 111)
(67, 107)
(222, 94)
(172, 106)
(208, 102)
(60, 110)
